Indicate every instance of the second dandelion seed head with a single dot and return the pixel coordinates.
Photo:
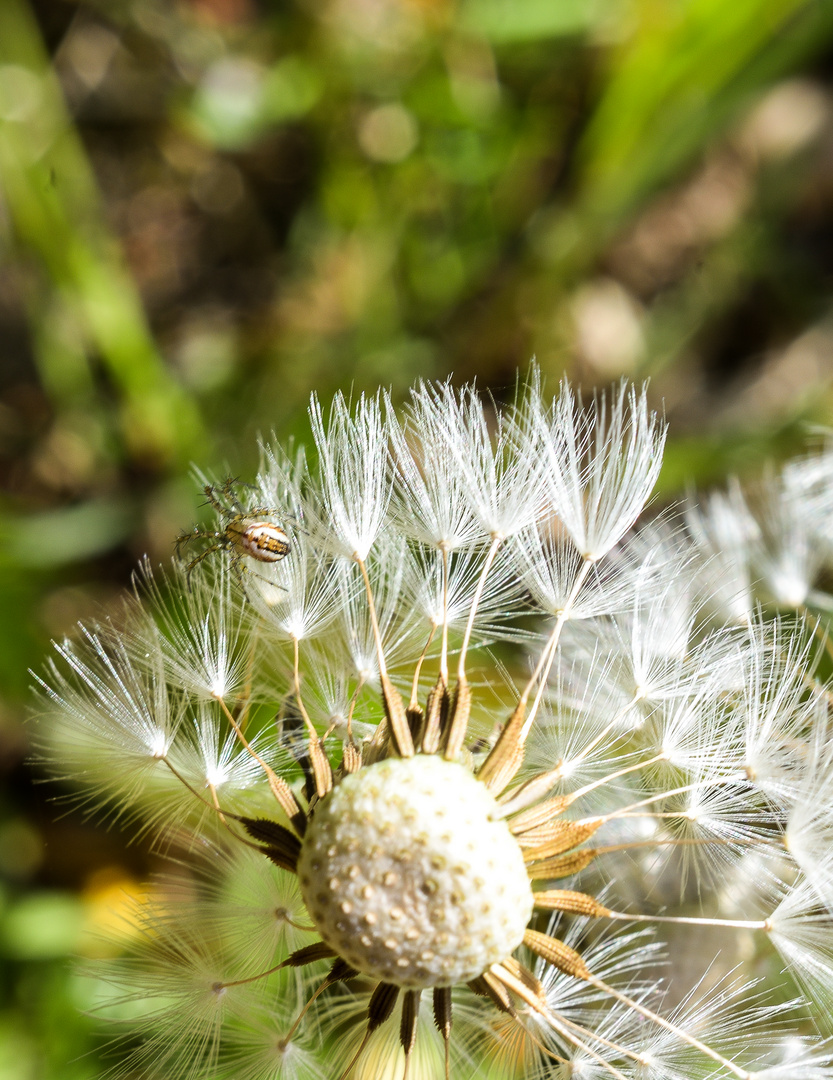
(411, 876)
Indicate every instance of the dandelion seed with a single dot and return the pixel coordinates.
(603, 464)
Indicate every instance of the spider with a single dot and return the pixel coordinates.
(244, 533)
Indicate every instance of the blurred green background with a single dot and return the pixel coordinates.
(209, 208)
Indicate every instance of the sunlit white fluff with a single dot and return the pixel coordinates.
(117, 721)
(430, 502)
(657, 629)
(173, 978)
(426, 590)
(758, 545)
(602, 462)
(727, 537)
(354, 630)
(209, 759)
(795, 1058)
(244, 900)
(809, 826)
(790, 559)
(353, 474)
(497, 471)
(549, 564)
(582, 723)
(810, 481)
(199, 632)
(298, 598)
(774, 706)
(255, 1046)
(802, 931)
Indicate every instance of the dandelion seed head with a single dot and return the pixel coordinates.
(413, 851)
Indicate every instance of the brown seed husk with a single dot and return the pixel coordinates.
(576, 903)
(382, 1001)
(525, 976)
(416, 722)
(351, 762)
(287, 802)
(538, 815)
(442, 1010)
(555, 952)
(395, 713)
(486, 985)
(435, 718)
(562, 865)
(277, 839)
(568, 835)
(309, 954)
(410, 1015)
(459, 720)
(321, 769)
(507, 753)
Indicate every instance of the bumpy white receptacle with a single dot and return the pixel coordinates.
(409, 874)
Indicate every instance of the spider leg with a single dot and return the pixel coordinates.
(292, 519)
(211, 499)
(236, 560)
(194, 534)
(202, 555)
(228, 494)
(241, 570)
(261, 511)
(222, 498)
